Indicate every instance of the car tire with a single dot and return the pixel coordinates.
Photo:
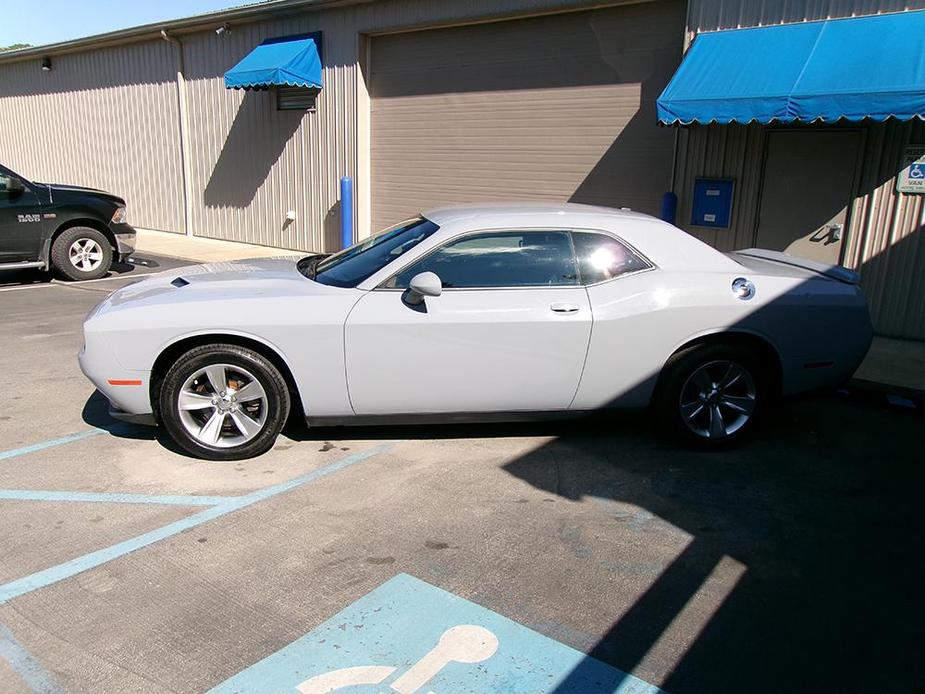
(81, 253)
(200, 408)
(711, 394)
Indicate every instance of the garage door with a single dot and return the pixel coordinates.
(558, 107)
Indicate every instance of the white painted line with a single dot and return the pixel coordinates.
(60, 283)
(54, 574)
(19, 288)
(36, 678)
(42, 445)
(127, 275)
(109, 497)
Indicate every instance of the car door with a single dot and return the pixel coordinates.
(20, 219)
(508, 333)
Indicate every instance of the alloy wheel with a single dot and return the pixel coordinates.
(85, 254)
(222, 405)
(718, 399)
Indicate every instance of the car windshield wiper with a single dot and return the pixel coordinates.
(310, 265)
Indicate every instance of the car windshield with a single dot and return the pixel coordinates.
(362, 260)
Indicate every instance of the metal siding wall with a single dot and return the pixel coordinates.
(105, 119)
(718, 151)
(493, 112)
(710, 15)
(885, 229)
(885, 235)
(887, 240)
(250, 163)
(401, 15)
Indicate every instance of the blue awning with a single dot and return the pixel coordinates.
(852, 69)
(291, 61)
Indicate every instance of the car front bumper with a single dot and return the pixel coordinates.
(125, 239)
(126, 389)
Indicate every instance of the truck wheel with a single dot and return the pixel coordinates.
(223, 402)
(81, 253)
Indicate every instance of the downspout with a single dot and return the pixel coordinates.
(184, 133)
(669, 211)
(688, 38)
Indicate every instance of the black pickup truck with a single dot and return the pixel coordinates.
(77, 231)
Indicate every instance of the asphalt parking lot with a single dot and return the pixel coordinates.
(570, 552)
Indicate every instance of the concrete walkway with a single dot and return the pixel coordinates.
(893, 366)
(202, 250)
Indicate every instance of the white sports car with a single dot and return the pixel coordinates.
(473, 312)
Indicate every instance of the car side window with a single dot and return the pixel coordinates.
(499, 259)
(602, 257)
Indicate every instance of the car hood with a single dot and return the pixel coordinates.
(240, 280)
(61, 191)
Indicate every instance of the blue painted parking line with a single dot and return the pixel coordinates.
(35, 677)
(50, 443)
(54, 574)
(109, 498)
(410, 637)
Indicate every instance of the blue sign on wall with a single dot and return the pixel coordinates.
(408, 637)
(712, 203)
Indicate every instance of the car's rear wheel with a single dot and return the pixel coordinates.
(711, 394)
(223, 402)
(81, 253)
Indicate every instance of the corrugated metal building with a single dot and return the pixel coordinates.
(882, 229)
(427, 102)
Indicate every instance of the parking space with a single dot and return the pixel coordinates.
(510, 558)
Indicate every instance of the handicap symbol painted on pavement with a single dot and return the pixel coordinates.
(464, 643)
(409, 637)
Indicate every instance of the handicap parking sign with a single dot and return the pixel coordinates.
(911, 178)
(409, 637)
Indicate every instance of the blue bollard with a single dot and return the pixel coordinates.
(669, 207)
(346, 212)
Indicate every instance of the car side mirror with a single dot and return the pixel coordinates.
(423, 285)
(14, 186)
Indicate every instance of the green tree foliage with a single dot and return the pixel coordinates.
(15, 46)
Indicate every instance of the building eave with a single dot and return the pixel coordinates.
(148, 32)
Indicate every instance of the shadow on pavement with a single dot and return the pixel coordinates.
(96, 414)
(822, 508)
(12, 278)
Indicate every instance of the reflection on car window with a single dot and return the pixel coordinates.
(6, 183)
(353, 265)
(499, 259)
(602, 257)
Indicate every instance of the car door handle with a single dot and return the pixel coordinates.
(564, 308)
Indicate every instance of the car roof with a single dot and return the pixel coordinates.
(664, 244)
(550, 211)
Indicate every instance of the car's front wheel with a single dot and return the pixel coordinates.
(223, 402)
(81, 253)
(711, 394)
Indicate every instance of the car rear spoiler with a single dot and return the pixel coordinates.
(835, 272)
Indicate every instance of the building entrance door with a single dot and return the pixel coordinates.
(808, 183)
